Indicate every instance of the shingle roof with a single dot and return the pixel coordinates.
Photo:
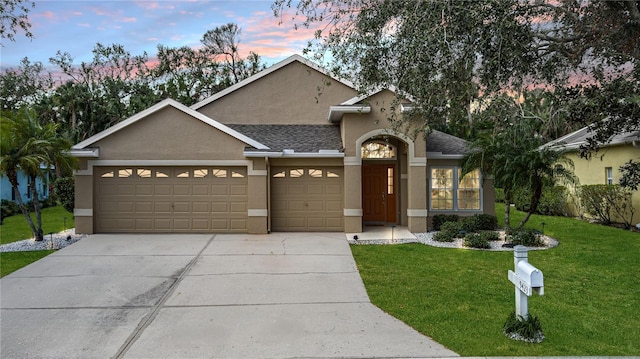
(300, 138)
(579, 137)
(446, 144)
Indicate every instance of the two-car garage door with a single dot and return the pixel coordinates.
(170, 199)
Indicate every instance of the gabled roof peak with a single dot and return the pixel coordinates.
(157, 107)
(289, 60)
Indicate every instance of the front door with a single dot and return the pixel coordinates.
(379, 193)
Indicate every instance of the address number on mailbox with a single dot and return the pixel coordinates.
(520, 283)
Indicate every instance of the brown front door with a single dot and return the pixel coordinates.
(379, 193)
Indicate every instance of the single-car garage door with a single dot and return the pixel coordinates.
(170, 199)
(307, 199)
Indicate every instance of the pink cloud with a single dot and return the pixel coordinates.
(128, 19)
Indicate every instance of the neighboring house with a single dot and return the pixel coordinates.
(288, 149)
(7, 192)
(603, 166)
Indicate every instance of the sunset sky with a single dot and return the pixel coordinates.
(76, 26)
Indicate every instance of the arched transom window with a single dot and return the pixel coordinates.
(377, 150)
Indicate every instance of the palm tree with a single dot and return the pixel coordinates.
(28, 146)
(514, 157)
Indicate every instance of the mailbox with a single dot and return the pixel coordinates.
(530, 274)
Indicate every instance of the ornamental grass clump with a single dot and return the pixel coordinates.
(524, 329)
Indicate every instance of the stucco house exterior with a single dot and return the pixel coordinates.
(603, 166)
(288, 149)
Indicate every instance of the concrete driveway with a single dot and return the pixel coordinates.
(196, 296)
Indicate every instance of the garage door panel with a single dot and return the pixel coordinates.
(314, 205)
(200, 190)
(144, 207)
(333, 189)
(220, 207)
(162, 190)
(144, 190)
(238, 190)
(200, 207)
(238, 207)
(331, 206)
(317, 189)
(144, 224)
(181, 190)
(170, 199)
(220, 190)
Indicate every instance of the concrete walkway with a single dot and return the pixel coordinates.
(196, 296)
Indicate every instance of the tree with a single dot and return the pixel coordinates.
(24, 86)
(630, 175)
(32, 148)
(13, 18)
(445, 55)
(512, 153)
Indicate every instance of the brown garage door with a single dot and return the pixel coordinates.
(170, 199)
(307, 199)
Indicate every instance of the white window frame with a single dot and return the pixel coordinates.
(608, 174)
(456, 183)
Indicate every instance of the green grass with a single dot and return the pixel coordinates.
(12, 261)
(461, 298)
(16, 228)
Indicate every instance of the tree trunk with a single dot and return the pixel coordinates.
(507, 210)
(533, 206)
(39, 235)
(13, 179)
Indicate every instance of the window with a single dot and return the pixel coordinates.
(280, 174)
(144, 172)
(235, 174)
(608, 172)
(315, 173)
(331, 174)
(125, 172)
(161, 174)
(390, 180)
(200, 172)
(299, 172)
(184, 174)
(218, 172)
(448, 192)
(378, 150)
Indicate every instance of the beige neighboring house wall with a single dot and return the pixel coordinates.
(603, 166)
(594, 171)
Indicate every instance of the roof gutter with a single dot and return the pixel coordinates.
(85, 153)
(336, 112)
(292, 154)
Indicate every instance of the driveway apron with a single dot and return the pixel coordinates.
(284, 295)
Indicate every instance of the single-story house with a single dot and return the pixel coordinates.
(7, 192)
(289, 149)
(603, 166)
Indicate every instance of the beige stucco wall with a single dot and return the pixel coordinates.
(592, 171)
(294, 94)
(170, 134)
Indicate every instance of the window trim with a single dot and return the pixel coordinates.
(455, 189)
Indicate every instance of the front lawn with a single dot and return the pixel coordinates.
(461, 298)
(12, 261)
(16, 228)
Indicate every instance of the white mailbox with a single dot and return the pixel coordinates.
(531, 275)
(526, 279)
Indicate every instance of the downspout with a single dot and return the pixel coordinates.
(268, 194)
(636, 143)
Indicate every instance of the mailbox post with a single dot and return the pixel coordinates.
(526, 280)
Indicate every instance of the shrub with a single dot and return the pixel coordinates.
(8, 209)
(608, 202)
(454, 228)
(519, 328)
(553, 201)
(526, 237)
(443, 236)
(439, 219)
(490, 235)
(476, 240)
(65, 191)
